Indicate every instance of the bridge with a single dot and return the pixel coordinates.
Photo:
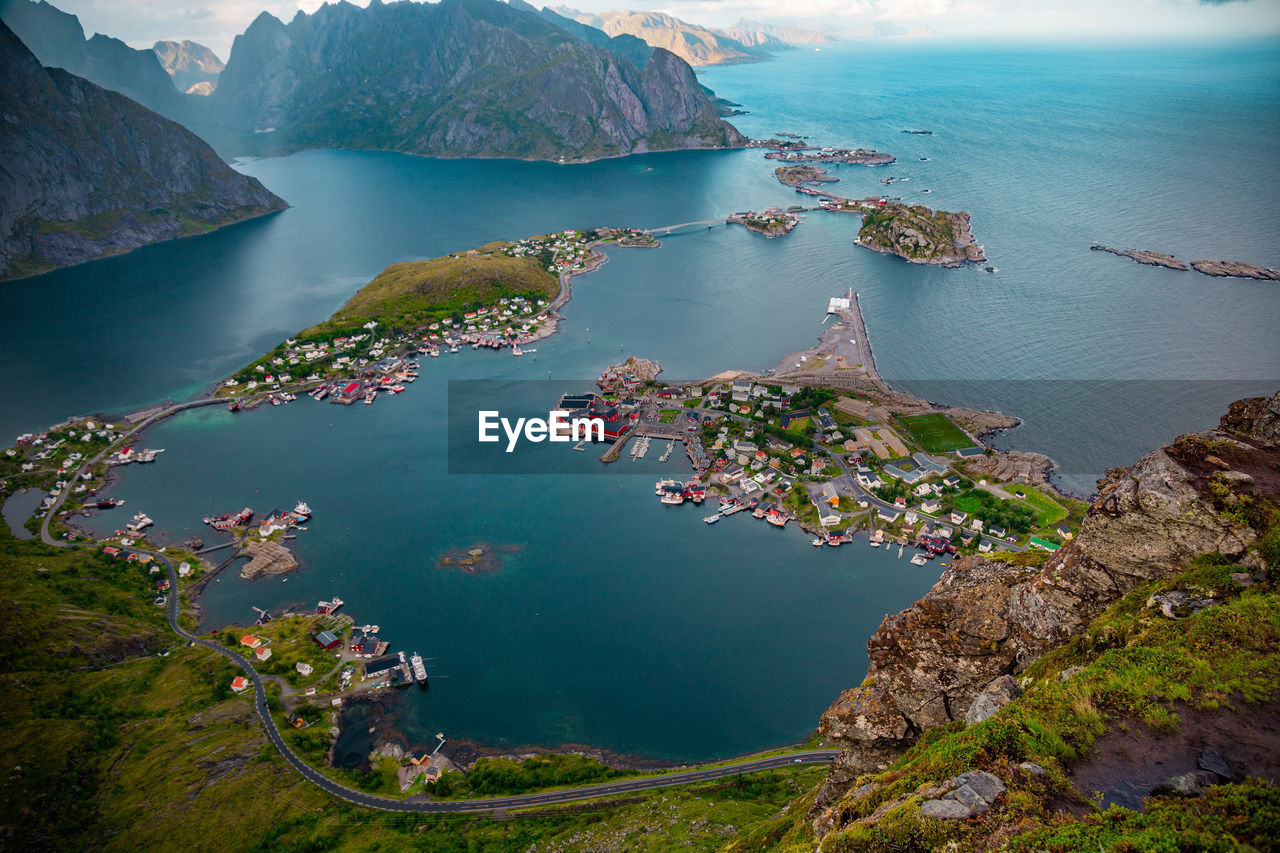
(669, 230)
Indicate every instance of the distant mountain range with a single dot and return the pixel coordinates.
(193, 67)
(86, 172)
(746, 41)
(58, 41)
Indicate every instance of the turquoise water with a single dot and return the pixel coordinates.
(620, 623)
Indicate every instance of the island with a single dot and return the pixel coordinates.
(919, 234)
(798, 176)
(771, 222)
(1155, 259)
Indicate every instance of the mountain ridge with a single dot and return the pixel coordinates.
(89, 172)
(461, 78)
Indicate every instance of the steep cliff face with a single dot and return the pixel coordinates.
(58, 41)
(458, 78)
(189, 64)
(985, 619)
(86, 172)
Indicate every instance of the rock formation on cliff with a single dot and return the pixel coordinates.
(985, 619)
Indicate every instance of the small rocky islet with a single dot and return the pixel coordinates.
(1220, 269)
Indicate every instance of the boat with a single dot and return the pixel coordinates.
(919, 560)
(515, 350)
(233, 406)
(817, 542)
(672, 498)
(369, 395)
(419, 669)
(453, 349)
(226, 521)
(304, 511)
(758, 512)
(711, 519)
(660, 487)
(778, 519)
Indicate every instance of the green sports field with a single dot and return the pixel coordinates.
(935, 432)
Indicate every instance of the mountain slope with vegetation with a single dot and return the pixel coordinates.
(461, 78)
(58, 41)
(89, 173)
(1036, 702)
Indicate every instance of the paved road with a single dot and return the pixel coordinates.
(622, 786)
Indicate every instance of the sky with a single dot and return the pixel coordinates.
(215, 23)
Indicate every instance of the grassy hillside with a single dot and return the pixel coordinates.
(118, 737)
(1135, 671)
(410, 294)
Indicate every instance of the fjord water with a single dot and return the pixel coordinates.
(620, 623)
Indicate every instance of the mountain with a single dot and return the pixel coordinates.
(775, 36)
(460, 78)
(1175, 562)
(58, 41)
(694, 44)
(86, 172)
(189, 64)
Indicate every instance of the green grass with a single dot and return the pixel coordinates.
(1137, 668)
(667, 416)
(407, 295)
(1048, 511)
(935, 432)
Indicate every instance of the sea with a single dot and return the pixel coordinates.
(612, 621)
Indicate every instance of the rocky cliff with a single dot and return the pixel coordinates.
(460, 78)
(775, 36)
(920, 235)
(189, 64)
(1205, 494)
(88, 172)
(58, 41)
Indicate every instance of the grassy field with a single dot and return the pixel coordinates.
(1048, 511)
(935, 432)
(411, 293)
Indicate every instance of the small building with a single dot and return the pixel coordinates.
(239, 684)
(888, 516)
(1043, 544)
(262, 653)
(958, 517)
(984, 546)
(829, 494)
(932, 507)
(327, 640)
(303, 668)
(1065, 532)
(970, 452)
(250, 641)
(997, 531)
(976, 524)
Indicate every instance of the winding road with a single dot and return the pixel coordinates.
(586, 792)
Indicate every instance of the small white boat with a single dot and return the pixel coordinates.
(712, 519)
(817, 543)
(875, 544)
(919, 560)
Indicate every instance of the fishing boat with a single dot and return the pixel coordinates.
(711, 519)
(369, 395)
(919, 560)
(303, 511)
(817, 542)
(515, 350)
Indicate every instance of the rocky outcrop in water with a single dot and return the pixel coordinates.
(920, 235)
(461, 78)
(88, 172)
(985, 619)
(1155, 259)
(1235, 269)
